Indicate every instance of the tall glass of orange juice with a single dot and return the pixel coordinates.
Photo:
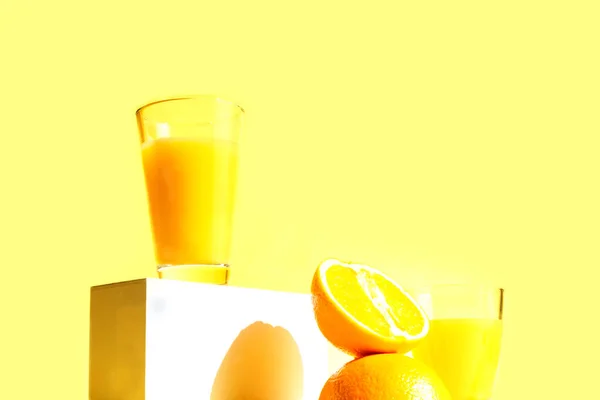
(463, 343)
(190, 158)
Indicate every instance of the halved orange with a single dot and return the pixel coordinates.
(362, 311)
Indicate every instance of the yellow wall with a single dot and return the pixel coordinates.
(434, 140)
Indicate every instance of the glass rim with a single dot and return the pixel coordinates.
(190, 97)
(428, 290)
(426, 287)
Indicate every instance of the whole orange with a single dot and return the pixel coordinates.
(384, 377)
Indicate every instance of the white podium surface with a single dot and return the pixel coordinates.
(153, 339)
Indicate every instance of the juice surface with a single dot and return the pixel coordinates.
(191, 190)
(464, 353)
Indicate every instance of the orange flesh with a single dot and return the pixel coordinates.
(374, 301)
(405, 314)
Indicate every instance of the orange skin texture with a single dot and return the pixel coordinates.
(384, 377)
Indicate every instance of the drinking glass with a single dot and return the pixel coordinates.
(189, 151)
(463, 344)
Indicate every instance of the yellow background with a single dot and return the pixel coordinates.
(435, 140)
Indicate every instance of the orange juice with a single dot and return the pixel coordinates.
(464, 353)
(191, 189)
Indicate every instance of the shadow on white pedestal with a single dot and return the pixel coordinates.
(155, 339)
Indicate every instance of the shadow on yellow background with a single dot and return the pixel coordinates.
(263, 363)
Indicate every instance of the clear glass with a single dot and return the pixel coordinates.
(190, 153)
(463, 344)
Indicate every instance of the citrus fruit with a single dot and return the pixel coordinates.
(362, 311)
(384, 377)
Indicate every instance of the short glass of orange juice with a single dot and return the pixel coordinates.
(190, 158)
(463, 343)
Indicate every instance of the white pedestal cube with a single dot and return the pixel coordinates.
(154, 339)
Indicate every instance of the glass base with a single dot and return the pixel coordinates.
(203, 273)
